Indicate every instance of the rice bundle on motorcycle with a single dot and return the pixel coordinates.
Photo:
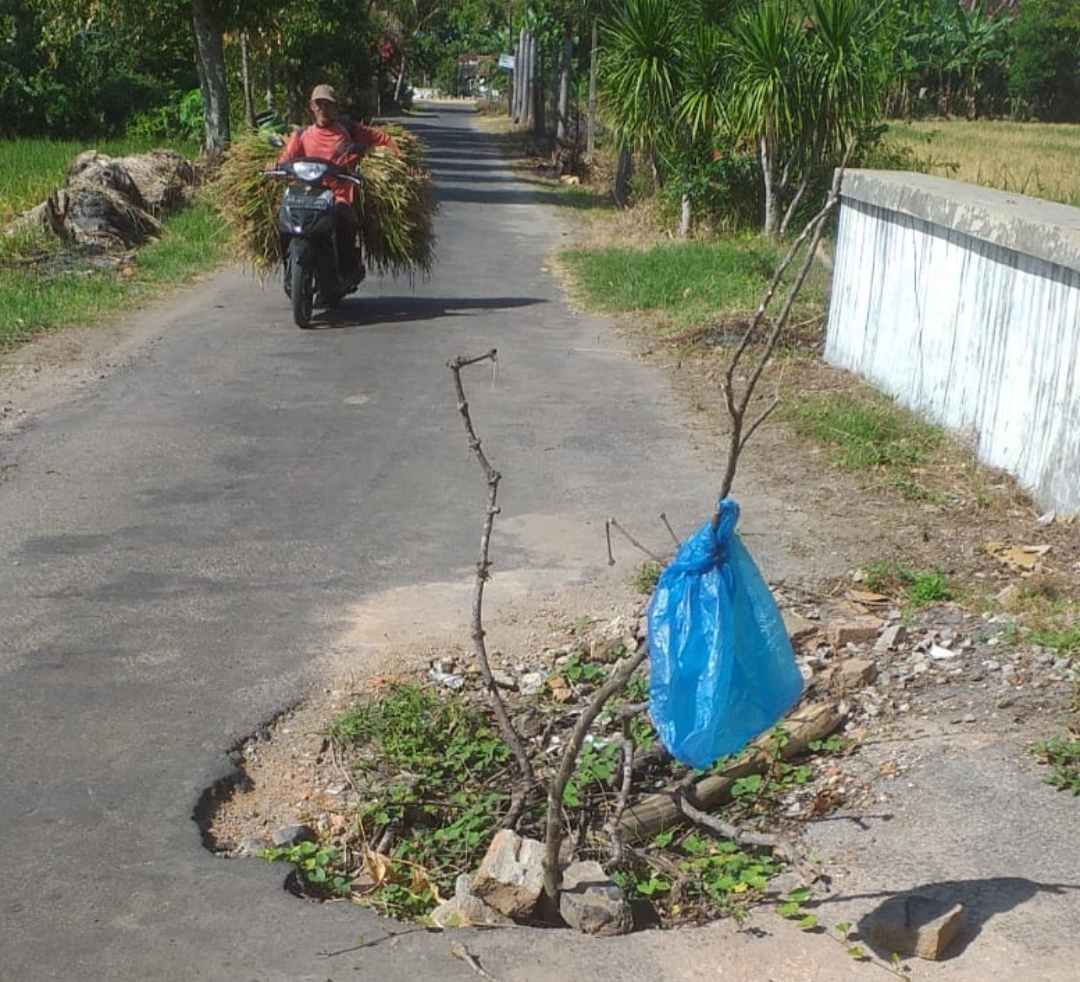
(396, 204)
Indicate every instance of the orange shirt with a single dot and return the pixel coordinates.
(331, 143)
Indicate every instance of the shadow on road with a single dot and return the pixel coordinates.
(369, 311)
(982, 900)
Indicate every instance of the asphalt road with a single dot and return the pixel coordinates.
(183, 538)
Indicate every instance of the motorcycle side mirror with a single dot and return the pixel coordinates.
(356, 149)
(275, 140)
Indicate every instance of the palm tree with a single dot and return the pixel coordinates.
(639, 78)
(807, 79)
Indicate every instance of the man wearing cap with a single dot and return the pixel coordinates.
(330, 139)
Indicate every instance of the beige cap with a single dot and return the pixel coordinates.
(325, 92)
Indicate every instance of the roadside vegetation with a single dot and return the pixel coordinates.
(696, 172)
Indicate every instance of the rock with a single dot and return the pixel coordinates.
(591, 903)
(532, 683)
(798, 628)
(938, 653)
(891, 638)
(511, 875)
(291, 835)
(854, 630)
(853, 673)
(465, 909)
(913, 925)
(783, 883)
(253, 845)
(504, 680)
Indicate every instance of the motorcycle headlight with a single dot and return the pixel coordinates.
(308, 170)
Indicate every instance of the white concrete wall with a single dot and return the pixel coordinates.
(964, 304)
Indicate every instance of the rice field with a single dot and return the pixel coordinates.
(1037, 159)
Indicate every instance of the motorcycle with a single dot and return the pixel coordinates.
(308, 235)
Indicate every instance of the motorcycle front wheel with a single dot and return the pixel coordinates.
(301, 293)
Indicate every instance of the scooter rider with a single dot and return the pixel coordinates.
(330, 139)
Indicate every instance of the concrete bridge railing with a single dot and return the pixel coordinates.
(964, 304)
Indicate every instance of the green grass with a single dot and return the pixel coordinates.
(78, 292)
(866, 432)
(1064, 641)
(1037, 159)
(688, 283)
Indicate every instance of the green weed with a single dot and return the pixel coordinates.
(432, 769)
(1063, 758)
(928, 588)
(596, 765)
(577, 671)
(792, 909)
(896, 580)
(319, 865)
(647, 577)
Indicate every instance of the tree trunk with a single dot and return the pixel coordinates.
(772, 216)
(594, 70)
(245, 70)
(399, 81)
(684, 217)
(623, 170)
(210, 53)
(540, 85)
(521, 76)
(530, 85)
(562, 114)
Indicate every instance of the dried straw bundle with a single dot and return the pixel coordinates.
(248, 201)
(396, 204)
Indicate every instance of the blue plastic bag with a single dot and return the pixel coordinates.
(721, 667)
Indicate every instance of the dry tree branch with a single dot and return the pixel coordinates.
(612, 523)
(737, 405)
(483, 567)
(552, 834)
(739, 836)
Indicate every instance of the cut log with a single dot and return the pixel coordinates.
(661, 811)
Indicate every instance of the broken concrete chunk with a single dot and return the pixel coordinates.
(854, 630)
(913, 925)
(465, 909)
(511, 876)
(853, 673)
(798, 628)
(891, 638)
(591, 903)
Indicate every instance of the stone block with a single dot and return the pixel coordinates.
(913, 925)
